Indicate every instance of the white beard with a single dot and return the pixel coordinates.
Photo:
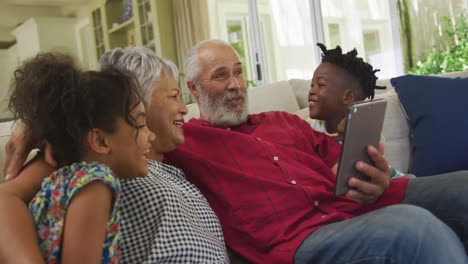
(215, 111)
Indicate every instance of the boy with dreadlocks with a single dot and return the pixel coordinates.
(340, 80)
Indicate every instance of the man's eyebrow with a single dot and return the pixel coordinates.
(220, 69)
(223, 68)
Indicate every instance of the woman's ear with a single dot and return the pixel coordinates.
(98, 141)
(193, 89)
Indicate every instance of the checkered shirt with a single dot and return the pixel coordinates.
(165, 219)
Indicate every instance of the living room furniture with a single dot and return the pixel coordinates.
(149, 24)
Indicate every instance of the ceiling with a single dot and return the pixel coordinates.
(15, 12)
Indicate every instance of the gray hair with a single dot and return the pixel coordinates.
(144, 63)
(192, 62)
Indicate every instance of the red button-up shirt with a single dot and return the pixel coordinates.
(269, 181)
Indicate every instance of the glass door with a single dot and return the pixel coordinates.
(279, 46)
(98, 32)
(146, 24)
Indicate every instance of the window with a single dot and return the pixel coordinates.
(367, 26)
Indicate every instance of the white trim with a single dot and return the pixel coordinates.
(78, 26)
(86, 54)
(396, 37)
(256, 43)
(317, 26)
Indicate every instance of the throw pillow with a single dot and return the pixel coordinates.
(436, 108)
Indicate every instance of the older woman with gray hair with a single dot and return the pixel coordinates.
(165, 219)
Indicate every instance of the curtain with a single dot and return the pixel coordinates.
(191, 26)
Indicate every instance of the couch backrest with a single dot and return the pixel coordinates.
(396, 132)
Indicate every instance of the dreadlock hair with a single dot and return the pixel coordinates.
(60, 103)
(354, 65)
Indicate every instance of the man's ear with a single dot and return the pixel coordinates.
(350, 96)
(193, 89)
(98, 141)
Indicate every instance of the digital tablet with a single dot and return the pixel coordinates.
(363, 128)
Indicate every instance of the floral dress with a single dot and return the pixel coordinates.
(50, 204)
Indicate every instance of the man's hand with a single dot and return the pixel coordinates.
(17, 149)
(379, 178)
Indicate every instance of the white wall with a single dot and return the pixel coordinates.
(27, 39)
(36, 34)
(46, 34)
(13, 15)
(9, 61)
(4, 77)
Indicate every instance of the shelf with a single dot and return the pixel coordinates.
(125, 24)
(143, 28)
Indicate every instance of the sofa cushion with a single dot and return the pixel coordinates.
(396, 132)
(303, 113)
(277, 96)
(301, 89)
(435, 107)
(193, 112)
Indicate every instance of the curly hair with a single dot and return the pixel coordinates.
(60, 103)
(356, 66)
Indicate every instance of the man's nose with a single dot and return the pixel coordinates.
(234, 83)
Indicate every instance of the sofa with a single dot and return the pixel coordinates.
(291, 96)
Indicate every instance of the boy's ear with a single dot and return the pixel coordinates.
(193, 89)
(350, 96)
(98, 141)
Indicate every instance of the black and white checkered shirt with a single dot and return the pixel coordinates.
(165, 219)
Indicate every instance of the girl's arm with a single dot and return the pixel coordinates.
(86, 221)
(18, 242)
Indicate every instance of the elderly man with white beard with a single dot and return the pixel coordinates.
(270, 177)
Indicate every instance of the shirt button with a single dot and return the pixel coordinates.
(228, 128)
(316, 203)
(323, 216)
(275, 158)
(259, 139)
(293, 182)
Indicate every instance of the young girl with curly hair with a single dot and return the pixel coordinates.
(95, 125)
